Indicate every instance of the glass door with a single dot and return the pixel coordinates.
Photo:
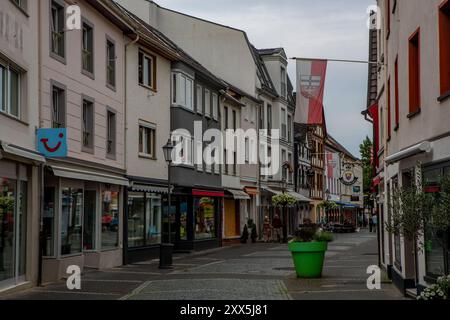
(89, 220)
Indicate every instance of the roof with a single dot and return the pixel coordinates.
(157, 35)
(263, 74)
(272, 51)
(333, 142)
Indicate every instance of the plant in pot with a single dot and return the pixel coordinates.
(244, 236)
(308, 250)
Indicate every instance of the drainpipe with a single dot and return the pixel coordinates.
(125, 193)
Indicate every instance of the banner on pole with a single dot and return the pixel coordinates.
(310, 90)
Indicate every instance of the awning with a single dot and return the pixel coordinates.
(22, 152)
(238, 194)
(206, 193)
(299, 197)
(424, 147)
(251, 191)
(348, 205)
(65, 172)
(148, 188)
(274, 192)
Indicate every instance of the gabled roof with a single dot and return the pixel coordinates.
(273, 51)
(334, 143)
(181, 55)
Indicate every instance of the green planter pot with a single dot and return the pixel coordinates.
(308, 258)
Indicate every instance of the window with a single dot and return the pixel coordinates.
(247, 150)
(283, 124)
(389, 108)
(111, 133)
(215, 106)
(283, 83)
(87, 52)
(269, 119)
(397, 96)
(199, 99)
(444, 47)
(110, 219)
(88, 125)
(261, 118)
(90, 220)
(207, 103)
(414, 73)
(147, 141)
(289, 128)
(58, 107)
(10, 90)
(71, 221)
(182, 91)
(147, 71)
(22, 4)
(290, 174)
(57, 24)
(144, 219)
(48, 221)
(110, 63)
(205, 218)
(283, 161)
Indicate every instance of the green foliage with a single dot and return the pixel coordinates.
(283, 200)
(6, 204)
(438, 291)
(366, 149)
(311, 233)
(323, 236)
(439, 219)
(328, 205)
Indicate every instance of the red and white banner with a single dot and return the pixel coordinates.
(310, 89)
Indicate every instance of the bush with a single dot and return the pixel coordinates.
(323, 236)
(312, 233)
(439, 291)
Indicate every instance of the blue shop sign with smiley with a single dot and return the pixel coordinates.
(52, 143)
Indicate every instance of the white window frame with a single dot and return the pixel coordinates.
(283, 82)
(5, 105)
(199, 100)
(208, 103)
(215, 106)
(143, 154)
(283, 120)
(180, 96)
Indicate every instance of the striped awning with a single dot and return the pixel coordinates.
(238, 194)
(149, 188)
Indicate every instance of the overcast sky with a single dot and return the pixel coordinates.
(334, 29)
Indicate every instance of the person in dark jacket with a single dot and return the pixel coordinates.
(277, 228)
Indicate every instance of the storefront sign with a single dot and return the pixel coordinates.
(52, 143)
(348, 176)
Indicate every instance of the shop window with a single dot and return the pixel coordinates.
(110, 219)
(183, 218)
(205, 222)
(414, 73)
(153, 219)
(8, 195)
(444, 47)
(87, 52)
(71, 221)
(10, 90)
(144, 219)
(89, 220)
(49, 221)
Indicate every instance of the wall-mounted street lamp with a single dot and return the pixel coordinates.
(166, 249)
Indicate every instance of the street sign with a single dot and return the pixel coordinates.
(52, 143)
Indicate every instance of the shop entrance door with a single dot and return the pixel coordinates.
(13, 205)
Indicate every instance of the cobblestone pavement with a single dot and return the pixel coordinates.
(249, 272)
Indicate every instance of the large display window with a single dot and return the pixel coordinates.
(71, 220)
(144, 219)
(205, 218)
(110, 219)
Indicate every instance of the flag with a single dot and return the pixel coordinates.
(310, 89)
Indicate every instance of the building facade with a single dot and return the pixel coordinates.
(412, 126)
(20, 164)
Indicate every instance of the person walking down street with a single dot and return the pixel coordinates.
(374, 223)
(267, 229)
(277, 226)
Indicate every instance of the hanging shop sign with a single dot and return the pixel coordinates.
(348, 176)
(52, 143)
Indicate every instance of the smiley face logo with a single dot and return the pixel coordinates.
(52, 142)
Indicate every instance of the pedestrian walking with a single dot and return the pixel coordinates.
(267, 229)
(277, 226)
(374, 223)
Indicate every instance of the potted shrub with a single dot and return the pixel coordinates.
(244, 236)
(308, 250)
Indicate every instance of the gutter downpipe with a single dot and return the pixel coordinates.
(125, 194)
